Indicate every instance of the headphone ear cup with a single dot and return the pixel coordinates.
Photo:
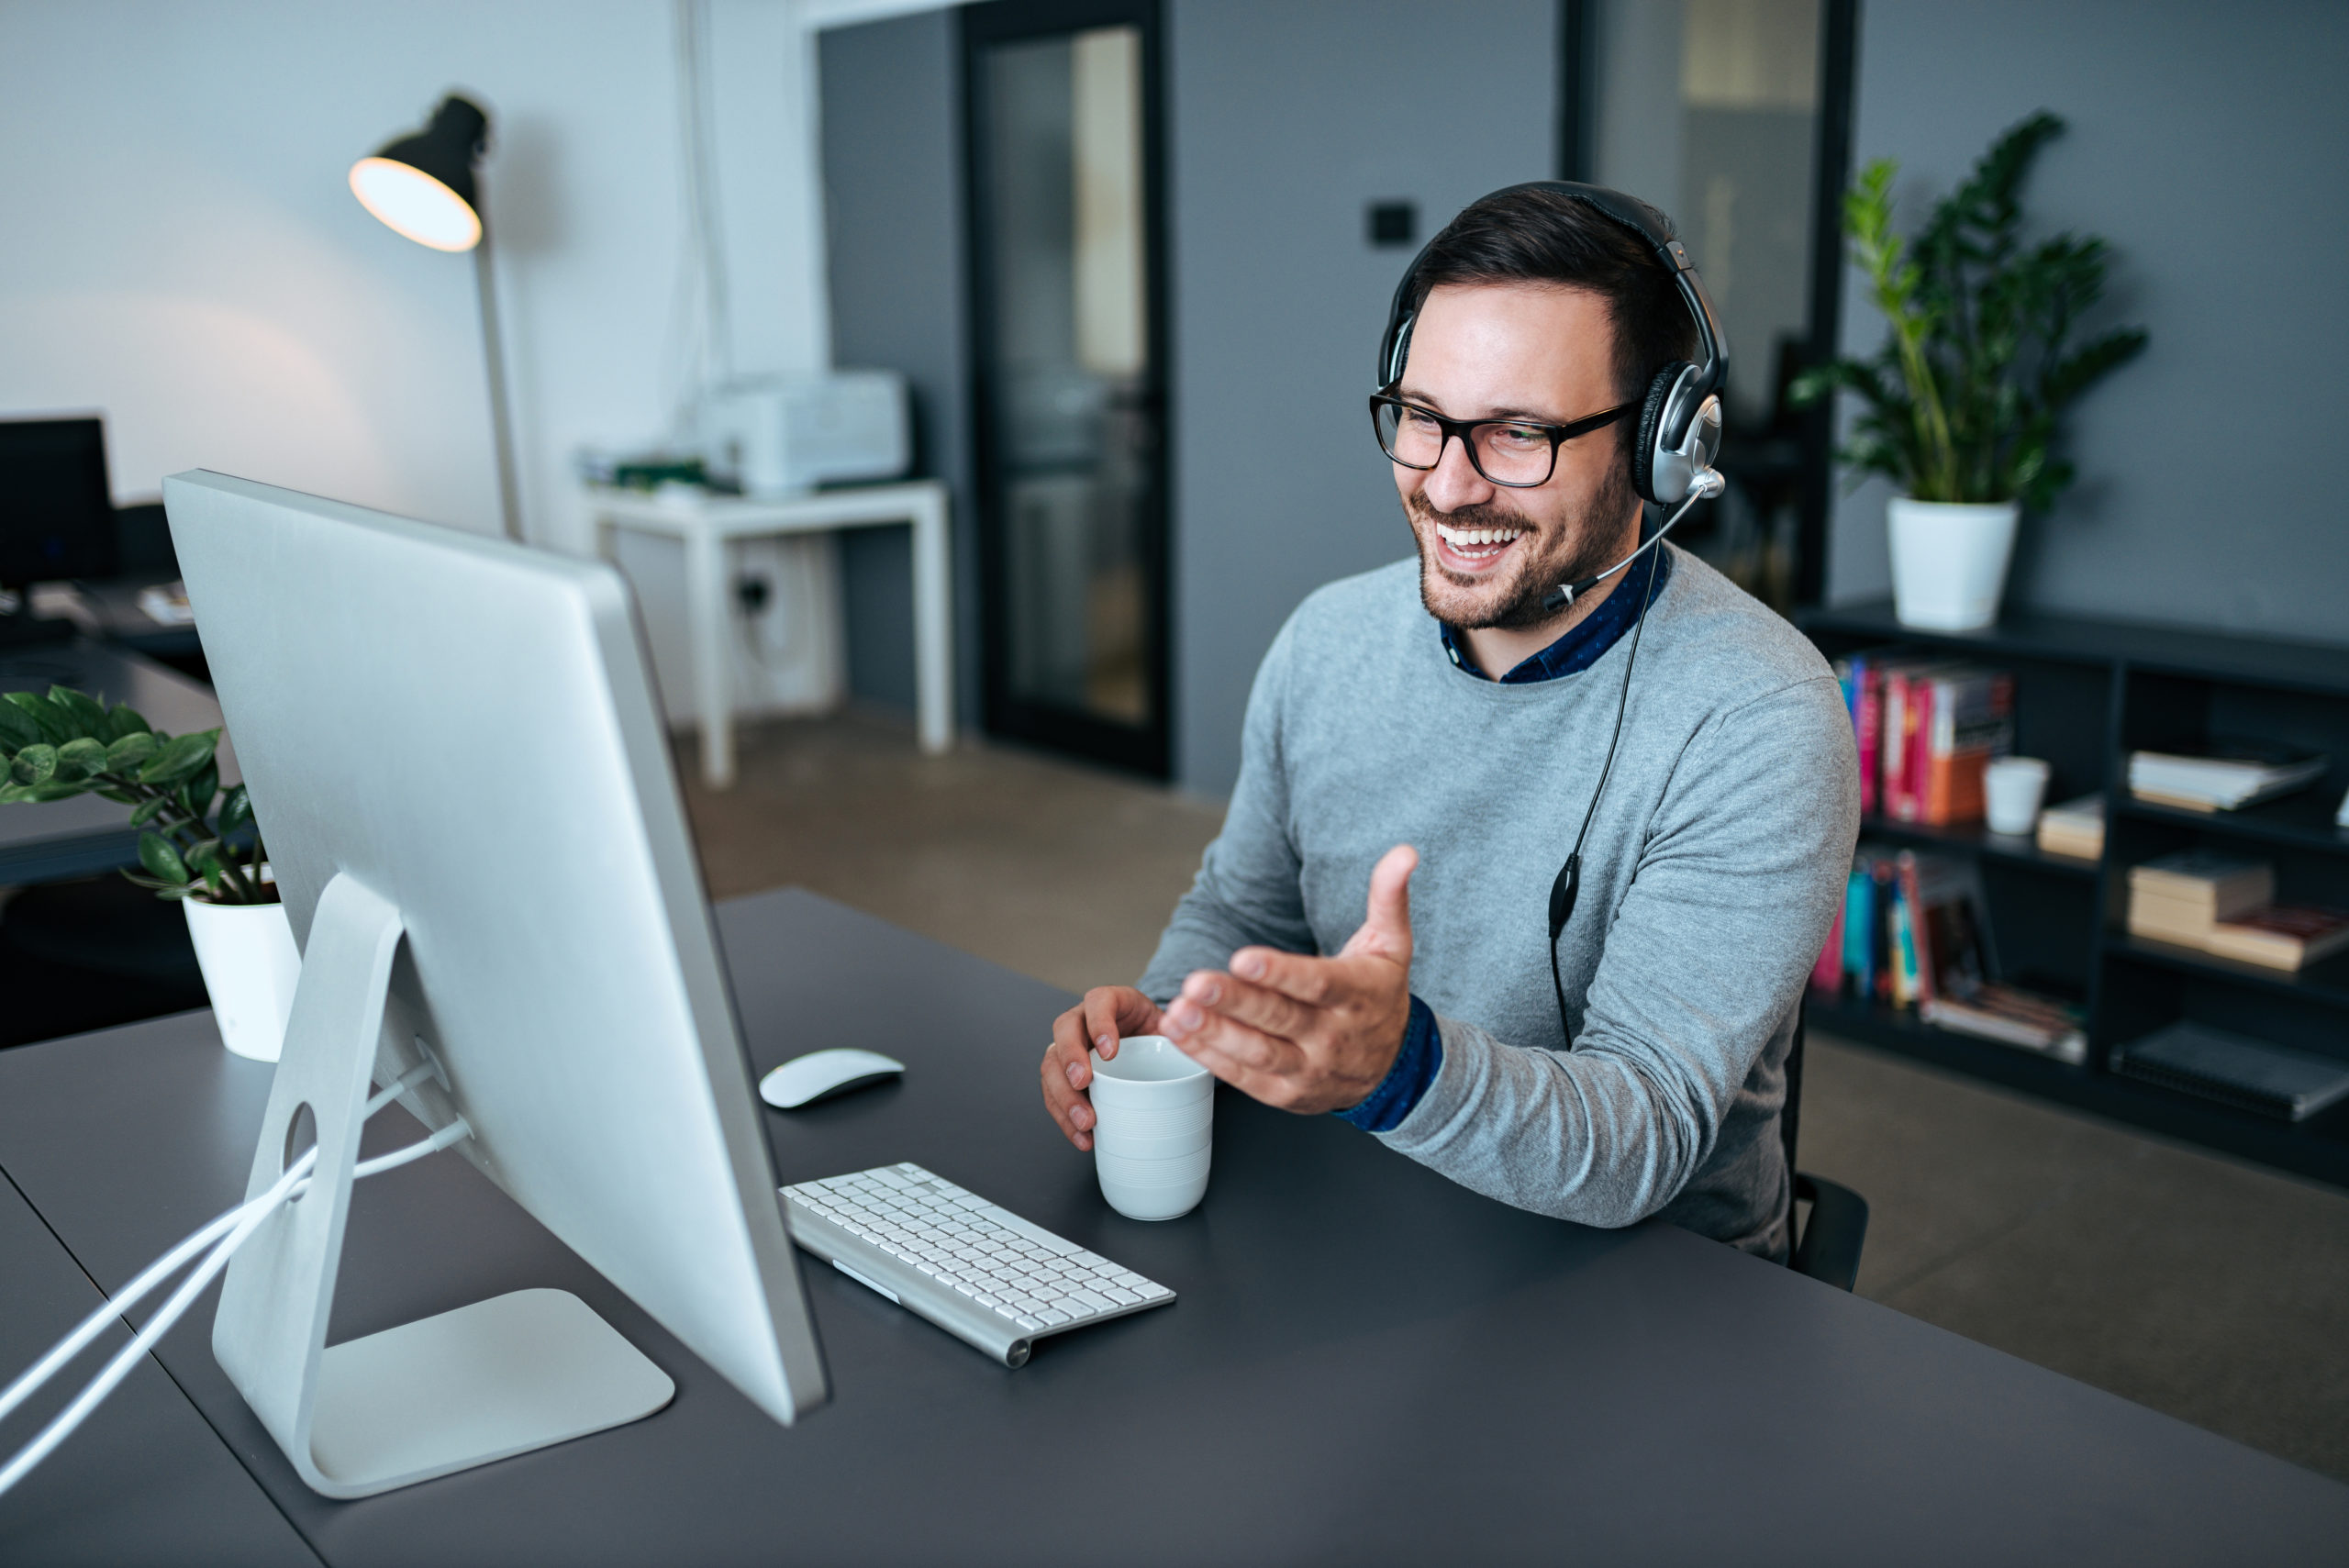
(1643, 450)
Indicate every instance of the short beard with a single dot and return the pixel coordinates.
(1526, 604)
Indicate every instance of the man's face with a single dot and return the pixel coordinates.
(1489, 554)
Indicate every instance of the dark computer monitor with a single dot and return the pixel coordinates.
(56, 508)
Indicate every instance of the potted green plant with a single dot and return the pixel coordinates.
(198, 844)
(1960, 407)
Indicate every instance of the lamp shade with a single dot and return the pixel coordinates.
(422, 185)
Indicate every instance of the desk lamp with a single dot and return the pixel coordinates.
(422, 187)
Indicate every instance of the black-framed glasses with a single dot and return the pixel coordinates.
(1517, 453)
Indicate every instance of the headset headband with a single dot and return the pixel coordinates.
(1645, 223)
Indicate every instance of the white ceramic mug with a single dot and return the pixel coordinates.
(1153, 1127)
(2015, 786)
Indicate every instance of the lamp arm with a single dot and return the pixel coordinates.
(509, 498)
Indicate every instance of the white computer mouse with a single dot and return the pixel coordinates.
(820, 1074)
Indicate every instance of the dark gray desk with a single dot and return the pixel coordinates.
(143, 1479)
(84, 836)
(1367, 1364)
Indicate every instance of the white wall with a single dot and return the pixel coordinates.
(182, 251)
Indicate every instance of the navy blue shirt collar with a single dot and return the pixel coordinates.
(1585, 642)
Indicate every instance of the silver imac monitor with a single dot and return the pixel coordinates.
(458, 763)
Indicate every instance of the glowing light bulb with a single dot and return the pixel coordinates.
(413, 204)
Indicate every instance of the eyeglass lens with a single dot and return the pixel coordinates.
(1503, 452)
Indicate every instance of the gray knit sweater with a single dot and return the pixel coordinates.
(1712, 873)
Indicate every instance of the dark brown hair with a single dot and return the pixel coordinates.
(1545, 237)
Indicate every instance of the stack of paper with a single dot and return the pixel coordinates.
(2179, 898)
(2074, 828)
(2229, 777)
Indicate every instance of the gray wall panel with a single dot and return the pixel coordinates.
(894, 221)
(1288, 118)
(2204, 144)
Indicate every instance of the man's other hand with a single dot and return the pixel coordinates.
(1308, 1034)
(1108, 1013)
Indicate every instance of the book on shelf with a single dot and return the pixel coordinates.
(2074, 828)
(2012, 1016)
(2281, 935)
(1911, 929)
(1968, 722)
(1861, 676)
(2179, 897)
(1926, 729)
(2228, 775)
(2235, 1070)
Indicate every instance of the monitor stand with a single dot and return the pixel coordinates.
(442, 1394)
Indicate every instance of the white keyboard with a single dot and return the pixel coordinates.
(979, 1272)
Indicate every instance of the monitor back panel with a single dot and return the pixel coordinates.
(466, 726)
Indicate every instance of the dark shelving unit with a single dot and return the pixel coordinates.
(2087, 693)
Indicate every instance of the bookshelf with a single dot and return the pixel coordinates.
(2087, 693)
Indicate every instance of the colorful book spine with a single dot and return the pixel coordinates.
(1918, 928)
(1826, 975)
(1901, 948)
(1892, 754)
(1867, 723)
(1859, 932)
(1967, 719)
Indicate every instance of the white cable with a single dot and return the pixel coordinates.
(237, 1225)
(169, 1263)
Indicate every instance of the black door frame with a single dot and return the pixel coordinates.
(1838, 47)
(1146, 748)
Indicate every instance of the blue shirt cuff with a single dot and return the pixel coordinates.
(1415, 1068)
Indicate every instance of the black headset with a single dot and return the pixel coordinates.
(1672, 464)
(1680, 421)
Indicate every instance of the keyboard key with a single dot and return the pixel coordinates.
(1031, 1324)
(1149, 1292)
(1122, 1297)
(1097, 1303)
(1053, 1318)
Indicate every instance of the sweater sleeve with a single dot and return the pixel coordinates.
(1740, 876)
(1248, 891)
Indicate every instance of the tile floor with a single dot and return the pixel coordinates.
(2216, 1291)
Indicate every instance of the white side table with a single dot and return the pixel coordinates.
(707, 524)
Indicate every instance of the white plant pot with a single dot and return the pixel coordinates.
(1949, 561)
(250, 965)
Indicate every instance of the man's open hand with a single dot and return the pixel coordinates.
(1108, 1013)
(1308, 1034)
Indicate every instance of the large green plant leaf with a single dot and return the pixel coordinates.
(181, 758)
(81, 759)
(155, 852)
(34, 764)
(196, 795)
(123, 719)
(16, 728)
(129, 751)
(86, 715)
(54, 726)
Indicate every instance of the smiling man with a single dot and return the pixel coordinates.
(1450, 716)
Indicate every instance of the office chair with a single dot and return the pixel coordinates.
(1828, 1248)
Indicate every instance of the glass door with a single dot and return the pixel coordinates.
(1067, 334)
(1733, 117)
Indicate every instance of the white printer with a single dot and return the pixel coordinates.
(786, 434)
